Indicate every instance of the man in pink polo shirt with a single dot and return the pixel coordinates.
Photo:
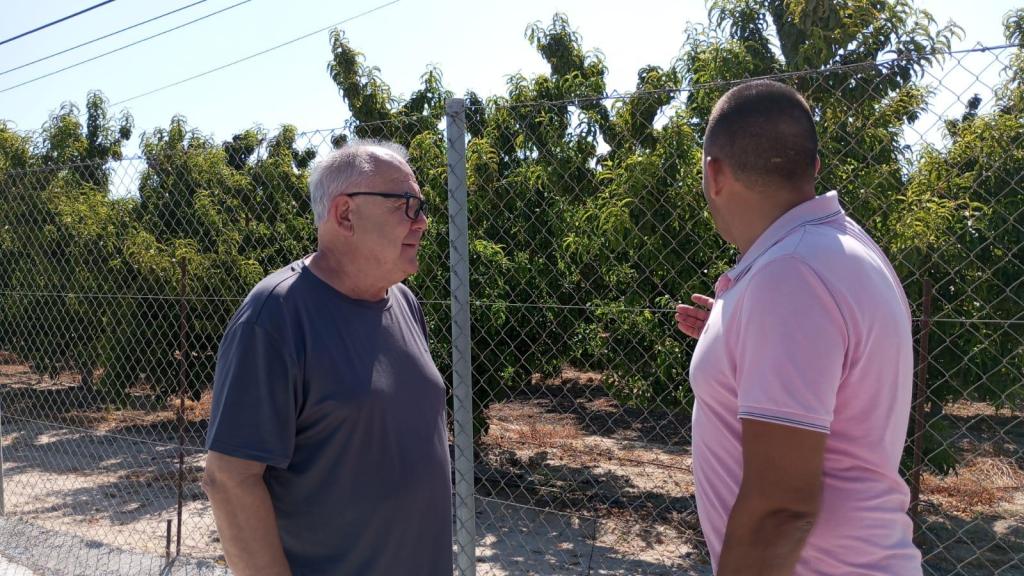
(803, 367)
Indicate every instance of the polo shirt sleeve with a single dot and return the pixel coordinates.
(253, 416)
(791, 346)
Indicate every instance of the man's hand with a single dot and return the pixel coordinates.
(690, 319)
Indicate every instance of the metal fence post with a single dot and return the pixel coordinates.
(462, 389)
(183, 358)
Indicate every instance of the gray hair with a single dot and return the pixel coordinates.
(345, 167)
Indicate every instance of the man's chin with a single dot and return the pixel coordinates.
(410, 269)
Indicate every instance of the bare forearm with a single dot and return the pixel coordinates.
(762, 541)
(248, 529)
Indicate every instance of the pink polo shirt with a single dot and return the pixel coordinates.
(812, 329)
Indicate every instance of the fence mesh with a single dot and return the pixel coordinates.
(586, 225)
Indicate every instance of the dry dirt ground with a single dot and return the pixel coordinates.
(568, 481)
(566, 445)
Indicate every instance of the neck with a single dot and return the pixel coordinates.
(330, 266)
(763, 210)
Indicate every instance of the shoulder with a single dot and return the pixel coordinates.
(403, 295)
(790, 284)
(411, 312)
(267, 303)
(783, 272)
(827, 251)
(841, 243)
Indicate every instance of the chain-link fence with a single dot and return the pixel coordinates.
(564, 227)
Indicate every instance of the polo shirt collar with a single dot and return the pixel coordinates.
(814, 211)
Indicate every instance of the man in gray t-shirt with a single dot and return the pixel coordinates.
(327, 439)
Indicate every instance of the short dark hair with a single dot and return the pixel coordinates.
(764, 132)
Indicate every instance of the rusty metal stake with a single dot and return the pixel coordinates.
(920, 391)
(167, 545)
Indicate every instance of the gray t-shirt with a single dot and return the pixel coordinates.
(342, 401)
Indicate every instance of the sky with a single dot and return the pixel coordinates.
(476, 44)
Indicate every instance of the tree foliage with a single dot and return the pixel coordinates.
(586, 217)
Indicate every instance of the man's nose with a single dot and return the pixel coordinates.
(421, 221)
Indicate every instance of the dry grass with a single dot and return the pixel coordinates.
(110, 420)
(968, 409)
(191, 475)
(569, 376)
(639, 495)
(976, 488)
(194, 410)
(14, 373)
(529, 423)
(603, 404)
(636, 475)
(80, 410)
(987, 483)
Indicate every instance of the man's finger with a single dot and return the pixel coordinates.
(684, 311)
(702, 300)
(690, 327)
(691, 320)
(685, 329)
(694, 322)
(699, 313)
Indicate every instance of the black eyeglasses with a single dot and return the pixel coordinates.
(414, 205)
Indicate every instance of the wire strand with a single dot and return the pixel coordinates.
(104, 37)
(125, 47)
(251, 56)
(58, 21)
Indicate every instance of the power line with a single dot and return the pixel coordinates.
(144, 22)
(251, 56)
(77, 64)
(58, 21)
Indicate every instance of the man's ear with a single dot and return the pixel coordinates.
(341, 214)
(714, 174)
(817, 165)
